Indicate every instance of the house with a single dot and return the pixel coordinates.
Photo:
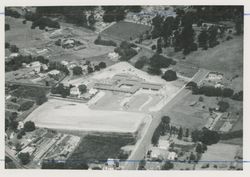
(172, 156)
(113, 56)
(74, 92)
(65, 63)
(20, 125)
(158, 153)
(54, 72)
(163, 144)
(93, 91)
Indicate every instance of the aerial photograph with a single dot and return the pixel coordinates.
(124, 87)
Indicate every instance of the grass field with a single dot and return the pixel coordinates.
(100, 148)
(125, 30)
(58, 114)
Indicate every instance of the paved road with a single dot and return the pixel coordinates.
(143, 144)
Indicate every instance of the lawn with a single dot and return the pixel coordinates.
(100, 148)
(125, 30)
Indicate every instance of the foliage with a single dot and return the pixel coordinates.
(77, 70)
(102, 65)
(26, 105)
(223, 106)
(24, 157)
(167, 166)
(7, 27)
(206, 136)
(169, 75)
(29, 126)
(141, 62)
(12, 13)
(160, 61)
(126, 51)
(82, 88)
(58, 66)
(61, 89)
(238, 96)
(161, 129)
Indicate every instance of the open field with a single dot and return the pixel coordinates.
(28, 38)
(58, 114)
(216, 154)
(125, 30)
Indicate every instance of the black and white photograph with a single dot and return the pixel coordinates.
(124, 87)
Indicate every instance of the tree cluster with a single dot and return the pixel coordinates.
(17, 62)
(61, 89)
(12, 13)
(58, 66)
(126, 51)
(205, 136)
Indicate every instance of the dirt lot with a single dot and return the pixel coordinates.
(58, 114)
(125, 30)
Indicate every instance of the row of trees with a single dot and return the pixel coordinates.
(58, 66)
(214, 91)
(100, 41)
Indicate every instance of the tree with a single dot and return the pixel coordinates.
(169, 75)
(97, 68)
(18, 147)
(7, 27)
(167, 166)
(180, 133)
(90, 69)
(203, 39)
(199, 148)
(77, 70)
(238, 96)
(141, 62)
(159, 46)
(82, 88)
(7, 45)
(29, 126)
(14, 49)
(24, 157)
(213, 32)
(13, 125)
(192, 157)
(187, 133)
(91, 20)
(223, 106)
(102, 65)
(154, 71)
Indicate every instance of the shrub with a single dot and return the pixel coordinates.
(169, 75)
(77, 70)
(82, 88)
(102, 65)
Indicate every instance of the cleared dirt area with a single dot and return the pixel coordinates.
(58, 114)
(125, 30)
